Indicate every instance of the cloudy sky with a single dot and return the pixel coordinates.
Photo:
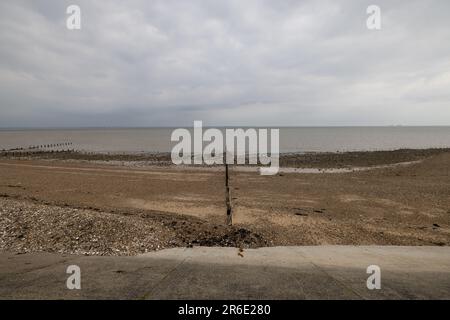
(228, 62)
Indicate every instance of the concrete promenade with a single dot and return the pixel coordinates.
(321, 272)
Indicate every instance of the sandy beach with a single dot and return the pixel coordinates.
(126, 205)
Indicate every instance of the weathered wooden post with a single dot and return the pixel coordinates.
(227, 190)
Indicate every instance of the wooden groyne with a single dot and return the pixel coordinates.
(38, 149)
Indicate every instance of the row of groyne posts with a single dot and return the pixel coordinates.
(37, 149)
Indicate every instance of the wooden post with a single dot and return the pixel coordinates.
(226, 175)
(229, 220)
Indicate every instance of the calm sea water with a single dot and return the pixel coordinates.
(302, 139)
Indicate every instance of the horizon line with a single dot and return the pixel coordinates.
(213, 126)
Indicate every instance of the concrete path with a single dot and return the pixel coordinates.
(323, 272)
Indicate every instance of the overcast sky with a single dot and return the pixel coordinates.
(263, 63)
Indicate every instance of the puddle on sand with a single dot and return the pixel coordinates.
(326, 170)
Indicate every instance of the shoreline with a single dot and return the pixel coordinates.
(319, 160)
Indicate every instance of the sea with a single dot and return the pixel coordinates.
(292, 139)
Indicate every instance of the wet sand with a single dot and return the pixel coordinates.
(293, 160)
(134, 209)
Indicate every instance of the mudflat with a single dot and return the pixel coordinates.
(114, 207)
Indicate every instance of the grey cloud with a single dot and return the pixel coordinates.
(167, 63)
